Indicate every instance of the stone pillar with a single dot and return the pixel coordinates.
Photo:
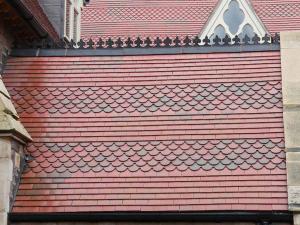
(297, 219)
(13, 138)
(290, 60)
(6, 174)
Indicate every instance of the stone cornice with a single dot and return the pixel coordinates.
(9, 119)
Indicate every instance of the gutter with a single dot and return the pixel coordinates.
(212, 216)
(28, 17)
(141, 51)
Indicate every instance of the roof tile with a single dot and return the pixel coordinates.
(187, 142)
(124, 19)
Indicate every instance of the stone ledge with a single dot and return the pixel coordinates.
(3, 89)
(8, 125)
(290, 62)
(7, 106)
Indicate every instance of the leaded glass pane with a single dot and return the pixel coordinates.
(247, 29)
(220, 31)
(233, 16)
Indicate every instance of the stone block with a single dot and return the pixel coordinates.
(19, 128)
(293, 173)
(290, 65)
(9, 124)
(290, 62)
(3, 89)
(5, 148)
(7, 106)
(293, 156)
(4, 195)
(290, 39)
(6, 169)
(296, 218)
(3, 218)
(294, 198)
(292, 128)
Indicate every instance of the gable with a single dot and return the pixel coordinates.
(233, 17)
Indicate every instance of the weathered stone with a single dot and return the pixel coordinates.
(293, 156)
(294, 198)
(8, 124)
(4, 195)
(3, 218)
(8, 163)
(3, 89)
(293, 173)
(7, 106)
(290, 39)
(5, 148)
(290, 63)
(292, 128)
(296, 219)
(6, 168)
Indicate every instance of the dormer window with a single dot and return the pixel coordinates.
(72, 19)
(233, 18)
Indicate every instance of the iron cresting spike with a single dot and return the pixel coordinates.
(148, 42)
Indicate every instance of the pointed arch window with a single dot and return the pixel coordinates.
(233, 18)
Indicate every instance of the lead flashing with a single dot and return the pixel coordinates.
(143, 51)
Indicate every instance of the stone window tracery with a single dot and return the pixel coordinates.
(233, 18)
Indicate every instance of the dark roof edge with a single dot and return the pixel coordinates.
(29, 18)
(209, 216)
(143, 51)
